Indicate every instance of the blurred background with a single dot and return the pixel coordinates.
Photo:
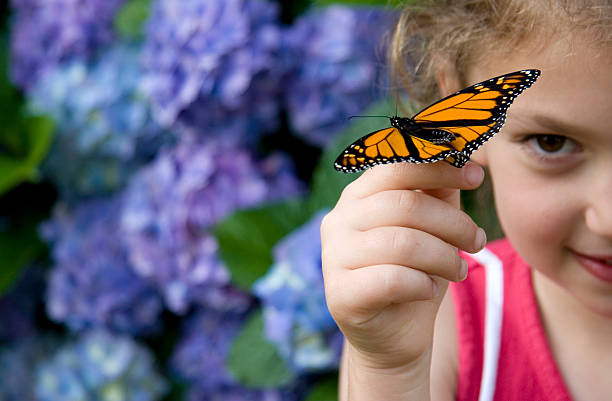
(164, 168)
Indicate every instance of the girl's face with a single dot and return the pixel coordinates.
(551, 168)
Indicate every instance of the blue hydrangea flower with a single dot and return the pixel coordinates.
(100, 366)
(335, 57)
(18, 362)
(104, 124)
(19, 305)
(92, 283)
(295, 313)
(172, 204)
(211, 66)
(200, 359)
(46, 33)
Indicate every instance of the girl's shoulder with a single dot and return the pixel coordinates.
(501, 340)
(458, 353)
(496, 252)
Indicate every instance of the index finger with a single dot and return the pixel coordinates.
(429, 176)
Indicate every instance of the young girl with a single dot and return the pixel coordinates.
(533, 319)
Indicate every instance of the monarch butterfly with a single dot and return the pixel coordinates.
(449, 129)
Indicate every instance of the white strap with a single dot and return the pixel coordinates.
(494, 304)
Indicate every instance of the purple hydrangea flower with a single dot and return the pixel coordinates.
(46, 33)
(203, 347)
(200, 359)
(100, 366)
(239, 393)
(92, 283)
(172, 204)
(211, 66)
(18, 362)
(103, 121)
(335, 58)
(295, 312)
(19, 305)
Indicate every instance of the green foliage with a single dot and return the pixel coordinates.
(325, 390)
(246, 238)
(10, 101)
(23, 149)
(18, 246)
(131, 18)
(479, 204)
(292, 9)
(254, 361)
(24, 141)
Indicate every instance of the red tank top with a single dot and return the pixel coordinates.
(503, 350)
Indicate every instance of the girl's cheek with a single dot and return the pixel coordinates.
(531, 214)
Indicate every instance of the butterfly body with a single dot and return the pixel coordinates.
(450, 129)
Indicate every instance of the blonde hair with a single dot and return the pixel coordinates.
(432, 34)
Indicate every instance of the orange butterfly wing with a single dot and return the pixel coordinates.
(388, 145)
(475, 114)
(471, 116)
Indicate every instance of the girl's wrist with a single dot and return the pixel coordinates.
(368, 380)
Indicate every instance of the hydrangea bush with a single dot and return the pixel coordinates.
(19, 362)
(104, 128)
(189, 170)
(334, 58)
(172, 204)
(92, 283)
(211, 67)
(201, 354)
(295, 313)
(46, 33)
(99, 366)
(19, 306)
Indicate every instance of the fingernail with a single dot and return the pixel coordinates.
(481, 238)
(463, 271)
(474, 174)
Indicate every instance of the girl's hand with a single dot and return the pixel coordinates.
(389, 249)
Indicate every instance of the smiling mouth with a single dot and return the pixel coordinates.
(598, 266)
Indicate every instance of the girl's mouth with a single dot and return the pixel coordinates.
(598, 266)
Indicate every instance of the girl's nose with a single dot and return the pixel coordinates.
(598, 214)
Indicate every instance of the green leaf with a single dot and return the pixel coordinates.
(325, 390)
(254, 361)
(10, 100)
(36, 133)
(39, 131)
(247, 237)
(292, 9)
(329, 183)
(479, 204)
(24, 142)
(18, 247)
(131, 18)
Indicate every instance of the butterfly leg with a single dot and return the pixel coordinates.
(437, 136)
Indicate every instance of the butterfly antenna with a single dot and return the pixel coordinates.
(368, 116)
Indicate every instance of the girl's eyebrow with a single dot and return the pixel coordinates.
(554, 124)
(563, 127)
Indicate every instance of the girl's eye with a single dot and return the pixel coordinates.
(550, 143)
(551, 151)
